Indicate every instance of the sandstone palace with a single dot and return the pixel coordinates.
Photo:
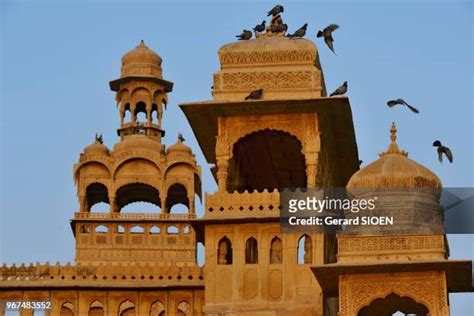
(294, 135)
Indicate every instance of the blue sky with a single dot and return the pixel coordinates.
(58, 56)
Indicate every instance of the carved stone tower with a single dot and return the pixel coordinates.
(293, 136)
(138, 169)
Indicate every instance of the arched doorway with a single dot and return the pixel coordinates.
(267, 159)
(394, 304)
(96, 193)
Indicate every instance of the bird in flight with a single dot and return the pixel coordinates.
(392, 103)
(341, 90)
(443, 150)
(260, 27)
(327, 34)
(245, 35)
(255, 95)
(299, 32)
(276, 10)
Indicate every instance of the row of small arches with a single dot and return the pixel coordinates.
(177, 201)
(136, 229)
(304, 251)
(127, 308)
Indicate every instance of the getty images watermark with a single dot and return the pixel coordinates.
(381, 211)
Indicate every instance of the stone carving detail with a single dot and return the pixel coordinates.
(269, 80)
(259, 57)
(381, 243)
(427, 288)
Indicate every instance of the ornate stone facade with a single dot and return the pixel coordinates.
(293, 137)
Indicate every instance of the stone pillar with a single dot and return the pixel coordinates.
(83, 203)
(112, 204)
(164, 209)
(192, 209)
(222, 173)
(311, 169)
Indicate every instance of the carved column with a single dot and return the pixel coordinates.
(311, 167)
(191, 204)
(164, 209)
(83, 203)
(222, 173)
(112, 204)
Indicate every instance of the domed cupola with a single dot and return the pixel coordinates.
(179, 148)
(141, 61)
(97, 147)
(394, 170)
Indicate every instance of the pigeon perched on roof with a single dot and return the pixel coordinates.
(341, 90)
(260, 27)
(245, 35)
(392, 103)
(278, 28)
(443, 150)
(327, 34)
(299, 32)
(276, 10)
(255, 95)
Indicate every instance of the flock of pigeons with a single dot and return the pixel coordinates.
(326, 33)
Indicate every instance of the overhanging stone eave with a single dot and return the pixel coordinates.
(459, 272)
(333, 111)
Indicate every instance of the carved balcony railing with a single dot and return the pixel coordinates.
(135, 275)
(133, 216)
(243, 205)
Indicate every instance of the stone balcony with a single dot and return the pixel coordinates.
(132, 216)
(129, 275)
(255, 204)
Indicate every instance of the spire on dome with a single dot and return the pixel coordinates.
(393, 146)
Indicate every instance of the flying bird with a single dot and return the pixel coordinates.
(260, 27)
(443, 150)
(299, 32)
(327, 34)
(246, 35)
(276, 10)
(255, 95)
(341, 90)
(392, 103)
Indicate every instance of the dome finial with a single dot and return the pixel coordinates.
(142, 43)
(393, 132)
(393, 146)
(180, 138)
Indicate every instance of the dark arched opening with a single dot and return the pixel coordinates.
(137, 192)
(267, 159)
(392, 304)
(96, 193)
(177, 194)
(224, 251)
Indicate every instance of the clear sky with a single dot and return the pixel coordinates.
(58, 56)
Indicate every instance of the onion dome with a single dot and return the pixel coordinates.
(180, 147)
(96, 148)
(137, 142)
(141, 61)
(394, 170)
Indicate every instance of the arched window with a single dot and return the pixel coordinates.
(177, 201)
(137, 229)
(305, 250)
(96, 309)
(67, 309)
(157, 309)
(127, 308)
(186, 229)
(154, 230)
(267, 159)
(224, 251)
(251, 251)
(394, 304)
(101, 229)
(172, 230)
(184, 309)
(120, 229)
(276, 251)
(137, 192)
(96, 193)
(140, 112)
